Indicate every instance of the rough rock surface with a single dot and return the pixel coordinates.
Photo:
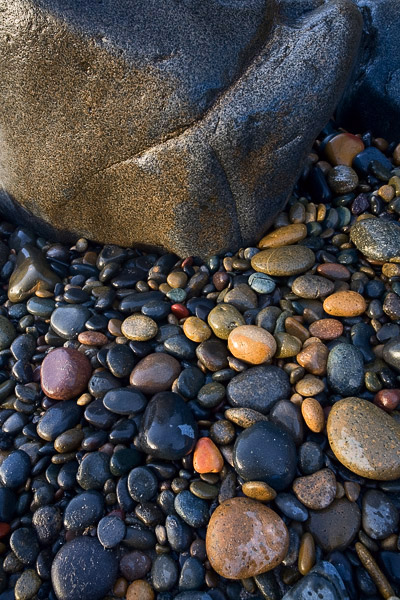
(186, 132)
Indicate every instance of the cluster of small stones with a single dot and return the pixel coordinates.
(210, 431)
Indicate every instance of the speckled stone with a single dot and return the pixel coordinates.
(155, 373)
(365, 439)
(252, 344)
(326, 329)
(377, 239)
(345, 304)
(284, 236)
(345, 369)
(335, 527)
(223, 319)
(316, 491)
(283, 261)
(65, 373)
(245, 538)
(139, 328)
(312, 286)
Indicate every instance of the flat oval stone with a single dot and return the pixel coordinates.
(261, 283)
(65, 373)
(168, 429)
(82, 568)
(111, 531)
(380, 517)
(245, 538)
(139, 328)
(69, 321)
(365, 439)
(326, 329)
(93, 471)
(312, 286)
(15, 469)
(345, 369)
(7, 333)
(259, 388)
(223, 319)
(377, 239)
(284, 236)
(335, 527)
(316, 491)
(251, 344)
(155, 373)
(83, 511)
(283, 261)
(213, 354)
(125, 401)
(345, 304)
(57, 419)
(265, 452)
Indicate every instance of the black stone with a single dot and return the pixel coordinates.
(25, 545)
(83, 510)
(69, 321)
(259, 388)
(125, 401)
(164, 573)
(99, 416)
(193, 510)
(58, 418)
(93, 471)
(345, 370)
(15, 469)
(120, 360)
(111, 531)
(142, 484)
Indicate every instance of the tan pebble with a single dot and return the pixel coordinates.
(84, 399)
(313, 414)
(316, 491)
(310, 386)
(164, 288)
(140, 590)
(284, 236)
(343, 148)
(259, 490)
(345, 304)
(294, 327)
(114, 327)
(321, 212)
(196, 329)
(244, 417)
(283, 261)
(326, 329)
(223, 319)
(340, 493)
(177, 279)
(287, 345)
(352, 490)
(386, 192)
(395, 182)
(251, 344)
(389, 543)
(306, 558)
(120, 587)
(92, 338)
(139, 328)
(369, 563)
(296, 399)
(314, 358)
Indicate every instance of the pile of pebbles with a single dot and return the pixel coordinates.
(218, 430)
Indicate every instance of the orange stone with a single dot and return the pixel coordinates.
(92, 338)
(284, 236)
(343, 148)
(245, 538)
(196, 329)
(251, 344)
(326, 329)
(313, 414)
(207, 458)
(140, 590)
(396, 155)
(345, 304)
(313, 358)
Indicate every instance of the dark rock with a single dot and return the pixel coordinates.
(194, 511)
(111, 531)
(135, 565)
(93, 471)
(164, 573)
(391, 563)
(192, 574)
(377, 239)
(97, 415)
(335, 527)
(142, 484)
(259, 388)
(323, 581)
(345, 369)
(47, 523)
(15, 469)
(69, 321)
(380, 517)
(179, 534)
(82, 568)
(25, 545)
(59, 418)
(211, 157)
(125, 401)
(83, 511)
(291, 507)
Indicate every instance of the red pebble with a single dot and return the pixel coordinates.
(180, 311)
(388, 400)
(187, 262)
(4, 530)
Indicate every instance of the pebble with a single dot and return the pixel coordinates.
(345, 304)
(259, 490)
(111, 531)
(15, 470)
(82, 568)
(83, 510)
(164, 573)
(25, 545)
(47, 523)
(196, 329)
(135, 565)
(309, 386)
(380, 517)
(193, 510)
(92, 338)
(261, 283)
(335, 527)
(251, 344)
(345, 370)
(313, 414)
(284, 236)
(7, 333)
(316, 491)
(283, 261)
(312, 286)
(32, 274)
(28, 585)
(139, 590)
(155, 373)
(125, 401)
(323, 581)
(213, 354)
(326, 329)
(57, 419)
(377, 239)
(266, 452)
(206, 457)
(391, 353)
(388, 400)
(93, 471)
(247, 390)
(306, 554)
(142, 484)
(314, 358)
(223, 319)
(65, 373)
(287, 345)
(168, 429)
(69, 321)
(245, 538)
(343, 148)
(342, 179)
(365, 439)
(139, 328)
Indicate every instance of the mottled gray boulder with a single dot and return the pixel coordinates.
(178, 124)
(372, 97)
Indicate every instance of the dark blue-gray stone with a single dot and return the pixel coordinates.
(82, 568)
(83, 510)
(69, 321)
(380, 517)
(58, 418)
(8, 502)
(377, 239)
(259, 388)
(142, 484)
(93, 471)
(25, 545)
(111, 531)
(164, 573)
(345, 370)
(179, 534)
(322, 582)
(125, 401)
(192, 575)
(15, 469)
(193, 510)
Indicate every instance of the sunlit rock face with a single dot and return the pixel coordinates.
(180, 125)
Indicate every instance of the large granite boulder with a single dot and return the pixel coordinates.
(372, 97)
(178, 124)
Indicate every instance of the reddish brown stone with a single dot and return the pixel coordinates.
(387, 399)
(92, 338)
(65, 373)
(155, 373)
(326, 329)
(316, 491)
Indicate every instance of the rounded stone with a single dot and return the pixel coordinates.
(111, 531)
(326, 329)
(313, 414)
(365, 439)
(284, 236)
(251, 344)
(283, 261)
(261, 283)
(345, 304)
(312, 286)
(316, 491)
(69, 321)
(139, 328)
(196, 329)
(335, 527)
(223, 319)
(27, 585)
(82, 568)
(259, 490)
(15, 469)
(83, 510)
(94, 470)
(345, 369)
(380, 516)
(342, 179)
(377, 239)
(266, 452)
(155, 373)
(248, 389)
(139, 590)
(65, 373)
(245, 538)
(7, 333)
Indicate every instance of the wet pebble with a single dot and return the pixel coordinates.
(65, 373)
(110, 531)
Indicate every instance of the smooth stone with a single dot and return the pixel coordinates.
(93, 471)
(7, 333)
(120, 360)
(213, 354)
(316, 491)
(391, 563)
(196, 329)
(123, 460)
(125, 401)
(155, 373)
(323, 581)
(312, 286)
(335, 527)
(345, 369)
(8, 499)
(287, 345)
(252, 344)
(190, 382)
(83, 511)
(326, 329)
(206, 457)
(139, 328)
(111, 531)
(180, 347)
(310, 386)
(313, 358)
(244, 417)
(65, 373)
(313, 414)
(342, 179)
(343, 148)
(261, 283)
(380, 517)
(259, 490)
(164, 573)
(101, 382)
(134, 565)
(223, 319)
(211, 394)
(97, 415)
(25, 545)
(82, 568)
(47, 523)
(23, 347)
(266, 452)
(142, 484)
(57, 419)
(69, 321)
(291, 507)
(391, 352)
(377, 239)
(193, 510)
(15, 470)
(27, 585)
(192, 574)
(345, 304)
(241, 297)
(245, 538)
(247, 390)
(284, 236)
(288, 416)
(283, 261)
(32, 273)
(168, 429)
(365, 439)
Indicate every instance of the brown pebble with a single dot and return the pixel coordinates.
(283, 261)
(297, 329)
(352, 490)
(287, 345)
(314, 358)
(386, 192)
(244, 417)
(340, 493)
(140, 590)
(155, 373)
(284, 236)
(68, 440)
(252, 344)
(120, 587)
(345, 304)
(65, 373)
(196, 329)
(312, 286)
(259, 490)
(309, 386)
(387, 399)
(326, 329)
(343, 148)
(92, 338)
(306, 558)
(370, 564)
(334, 271)
(316, 491)
(114, 327)
(313, 414)
(177, 279)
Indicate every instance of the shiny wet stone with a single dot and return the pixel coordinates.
(83, 511)
(93, 471)
(15, 470)
(110, 531)
(32, 272)
(124, 401)
(69, 321)
(249, 389)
